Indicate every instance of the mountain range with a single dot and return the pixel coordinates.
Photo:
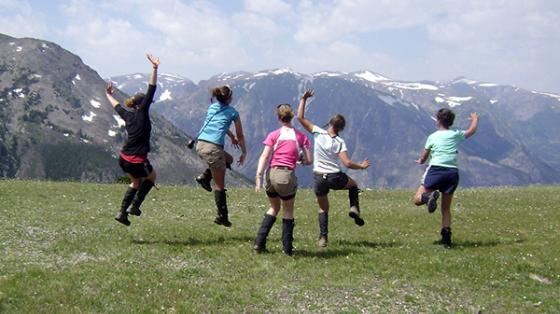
(517, 143)
(56, 123)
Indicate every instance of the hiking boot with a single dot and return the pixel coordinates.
(133, 210)
(432, 201)
(221, 220)
(204, 182)
(262, 233)
(446, 237)
(287, 236)
(323, 241)
(123, 218)
(354, 213)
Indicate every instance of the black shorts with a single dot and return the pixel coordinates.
(328, 181)
(140, 170)
(444, 179)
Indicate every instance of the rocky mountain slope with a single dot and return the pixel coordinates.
(55, 122)
(389, 120)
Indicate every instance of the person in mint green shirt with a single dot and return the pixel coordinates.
(442, 173)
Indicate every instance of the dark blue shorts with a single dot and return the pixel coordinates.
(443, 179)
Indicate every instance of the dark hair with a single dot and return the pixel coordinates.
(222, 94)
(284, 112)
(337, 122)
(135, 100)
(445, 117)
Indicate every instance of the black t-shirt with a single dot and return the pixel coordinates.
(138, 125)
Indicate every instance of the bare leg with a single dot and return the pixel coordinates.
(418, 197)
(446, 210)
(274, 206)
(323, 202)
(219, 176)
(288, 207)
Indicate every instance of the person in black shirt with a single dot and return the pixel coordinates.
(133, 158)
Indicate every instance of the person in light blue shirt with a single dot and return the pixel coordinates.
(442, 173)
(210, 147)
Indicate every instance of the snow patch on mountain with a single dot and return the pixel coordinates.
(166, 95)
(487, 85)
(329, 74)
(120, 121)
(371, 77)
(439, 100)
(89, 117)
(464, 81)
(95, 103)
(547, 94)
(111, 133)
(493, 101)
(19, 49)
(412, 86)
(77, 77)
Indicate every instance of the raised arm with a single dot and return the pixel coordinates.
(308, 125)
(155, 64)
(350, 164)
(109, 94)
(241, 140)
(474, 125)
(267, 151)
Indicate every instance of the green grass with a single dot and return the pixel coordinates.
(61, 251)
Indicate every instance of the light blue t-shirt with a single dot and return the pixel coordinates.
(443, 147)
(217, 123)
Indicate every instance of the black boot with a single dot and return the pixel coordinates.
(122, 216)
(143, 190)
(287, 235)
(446, 237)
(431, 200)
(353, 196)
(262, 234)
(324, 229)
(221, 204)
(204, 180)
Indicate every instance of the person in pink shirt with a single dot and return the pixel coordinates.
(285, 145)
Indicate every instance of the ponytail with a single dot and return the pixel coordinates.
(222, 94)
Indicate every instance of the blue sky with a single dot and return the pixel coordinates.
(503, 41)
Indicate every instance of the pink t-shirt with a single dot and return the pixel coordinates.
(285, 150)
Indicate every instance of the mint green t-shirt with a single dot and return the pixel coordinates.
(443, 147)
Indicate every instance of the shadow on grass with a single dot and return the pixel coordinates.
(476, 244)
(370, 244)
(194, 242)
(324, 253)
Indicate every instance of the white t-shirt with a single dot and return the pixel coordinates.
(326, 150)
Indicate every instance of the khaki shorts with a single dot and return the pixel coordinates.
(213, 154)
(280, 182)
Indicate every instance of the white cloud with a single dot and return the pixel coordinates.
(268, 7)
(18, 19)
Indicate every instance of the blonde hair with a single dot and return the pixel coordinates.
(135, 100)
(285, 113)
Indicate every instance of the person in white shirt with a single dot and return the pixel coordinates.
(329, 148)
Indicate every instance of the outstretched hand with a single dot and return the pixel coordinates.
(365, 164)
(474, 116)
(235, 142)
(109, 88)
(308, 93)
(241, 159)
(154, 60)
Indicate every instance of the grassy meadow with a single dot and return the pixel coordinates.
(62, 251)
